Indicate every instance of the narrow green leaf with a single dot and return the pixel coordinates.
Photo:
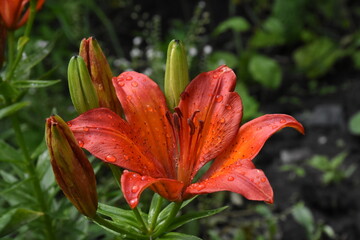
(34, 83)
(189, 217)
(119, 216)
(178, 236)
(15, 218)
(303, 216)
(8, 153)
(153, 208)
(9, 110)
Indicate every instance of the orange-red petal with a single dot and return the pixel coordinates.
(145, 109)
(108, 137)
(218, 113)
(134, 184)
(251, 138)
(247, 181)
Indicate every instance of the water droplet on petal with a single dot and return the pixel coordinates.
(222, 120)
(219, 98)
(144, 178)
(135, 175)
(282, 120)
(80, 143)
(258, 128)
(110, 158)
(134, 84)
(120, 79)
(149, 108)
(109, 116)
(274, 127)
(128, 97)
(133, 201)
(86, 129)
(129, 78)
(228, 106)
(215, 76)
(121, 84)
(126, 157)
(69, 124)
(231, 178)
(263, 179)
(200, 186)
(134, 189)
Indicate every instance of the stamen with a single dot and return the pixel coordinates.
(194, 114)
(201, 125)
(176, 121)
(168, 117)
(178, 111)
(192, 126)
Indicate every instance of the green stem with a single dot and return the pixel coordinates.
(11, 48)
(140, 219)
(108, 224)
(168, 221)
(153, 220)
(25, 37)
(39, 194)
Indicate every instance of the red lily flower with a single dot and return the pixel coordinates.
(13, 13)
(164, 151)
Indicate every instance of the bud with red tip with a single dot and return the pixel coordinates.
(100, 74)
(72, 170)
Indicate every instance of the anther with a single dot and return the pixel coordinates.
(176, 121)
(194, 114)
(192, 126)
(178, 111)
(201, 125)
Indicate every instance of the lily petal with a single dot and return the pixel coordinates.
(251, 138)
(133, 185)
(108, 137)
(215, 113)
(245, 180)
(145, 109)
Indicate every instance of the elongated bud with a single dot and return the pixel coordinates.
(72, 170)
(82, 91)
(100, 73)
(176, 74)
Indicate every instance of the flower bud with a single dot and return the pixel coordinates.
(176, 73)
(100, 73)
(82, 92)
(72, 170)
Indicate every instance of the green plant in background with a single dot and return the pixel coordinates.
(314, 230)
(332, 169)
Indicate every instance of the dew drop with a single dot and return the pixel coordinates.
(126, 157)
(274, 127)
(263, 179)
(144, 178)
(135, 175)
(110, 158)
(282, 120)
(149, 108)
(231, 178)
(120, 79)
(121, 84)
(129, 78)
(69, 124)
(228, 107)
(134, 189)
(168, 135)
(109, 116)
(134, 84)
(133, 201)
(219, 98)
(222, 120)
(258, 128)
(86, 129)
(215, 76)
(80, 143)
(200, 186)
(128, 97)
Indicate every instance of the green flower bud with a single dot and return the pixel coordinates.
(100, 73)
(176, 74)
(82, 91)
(72, 170)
